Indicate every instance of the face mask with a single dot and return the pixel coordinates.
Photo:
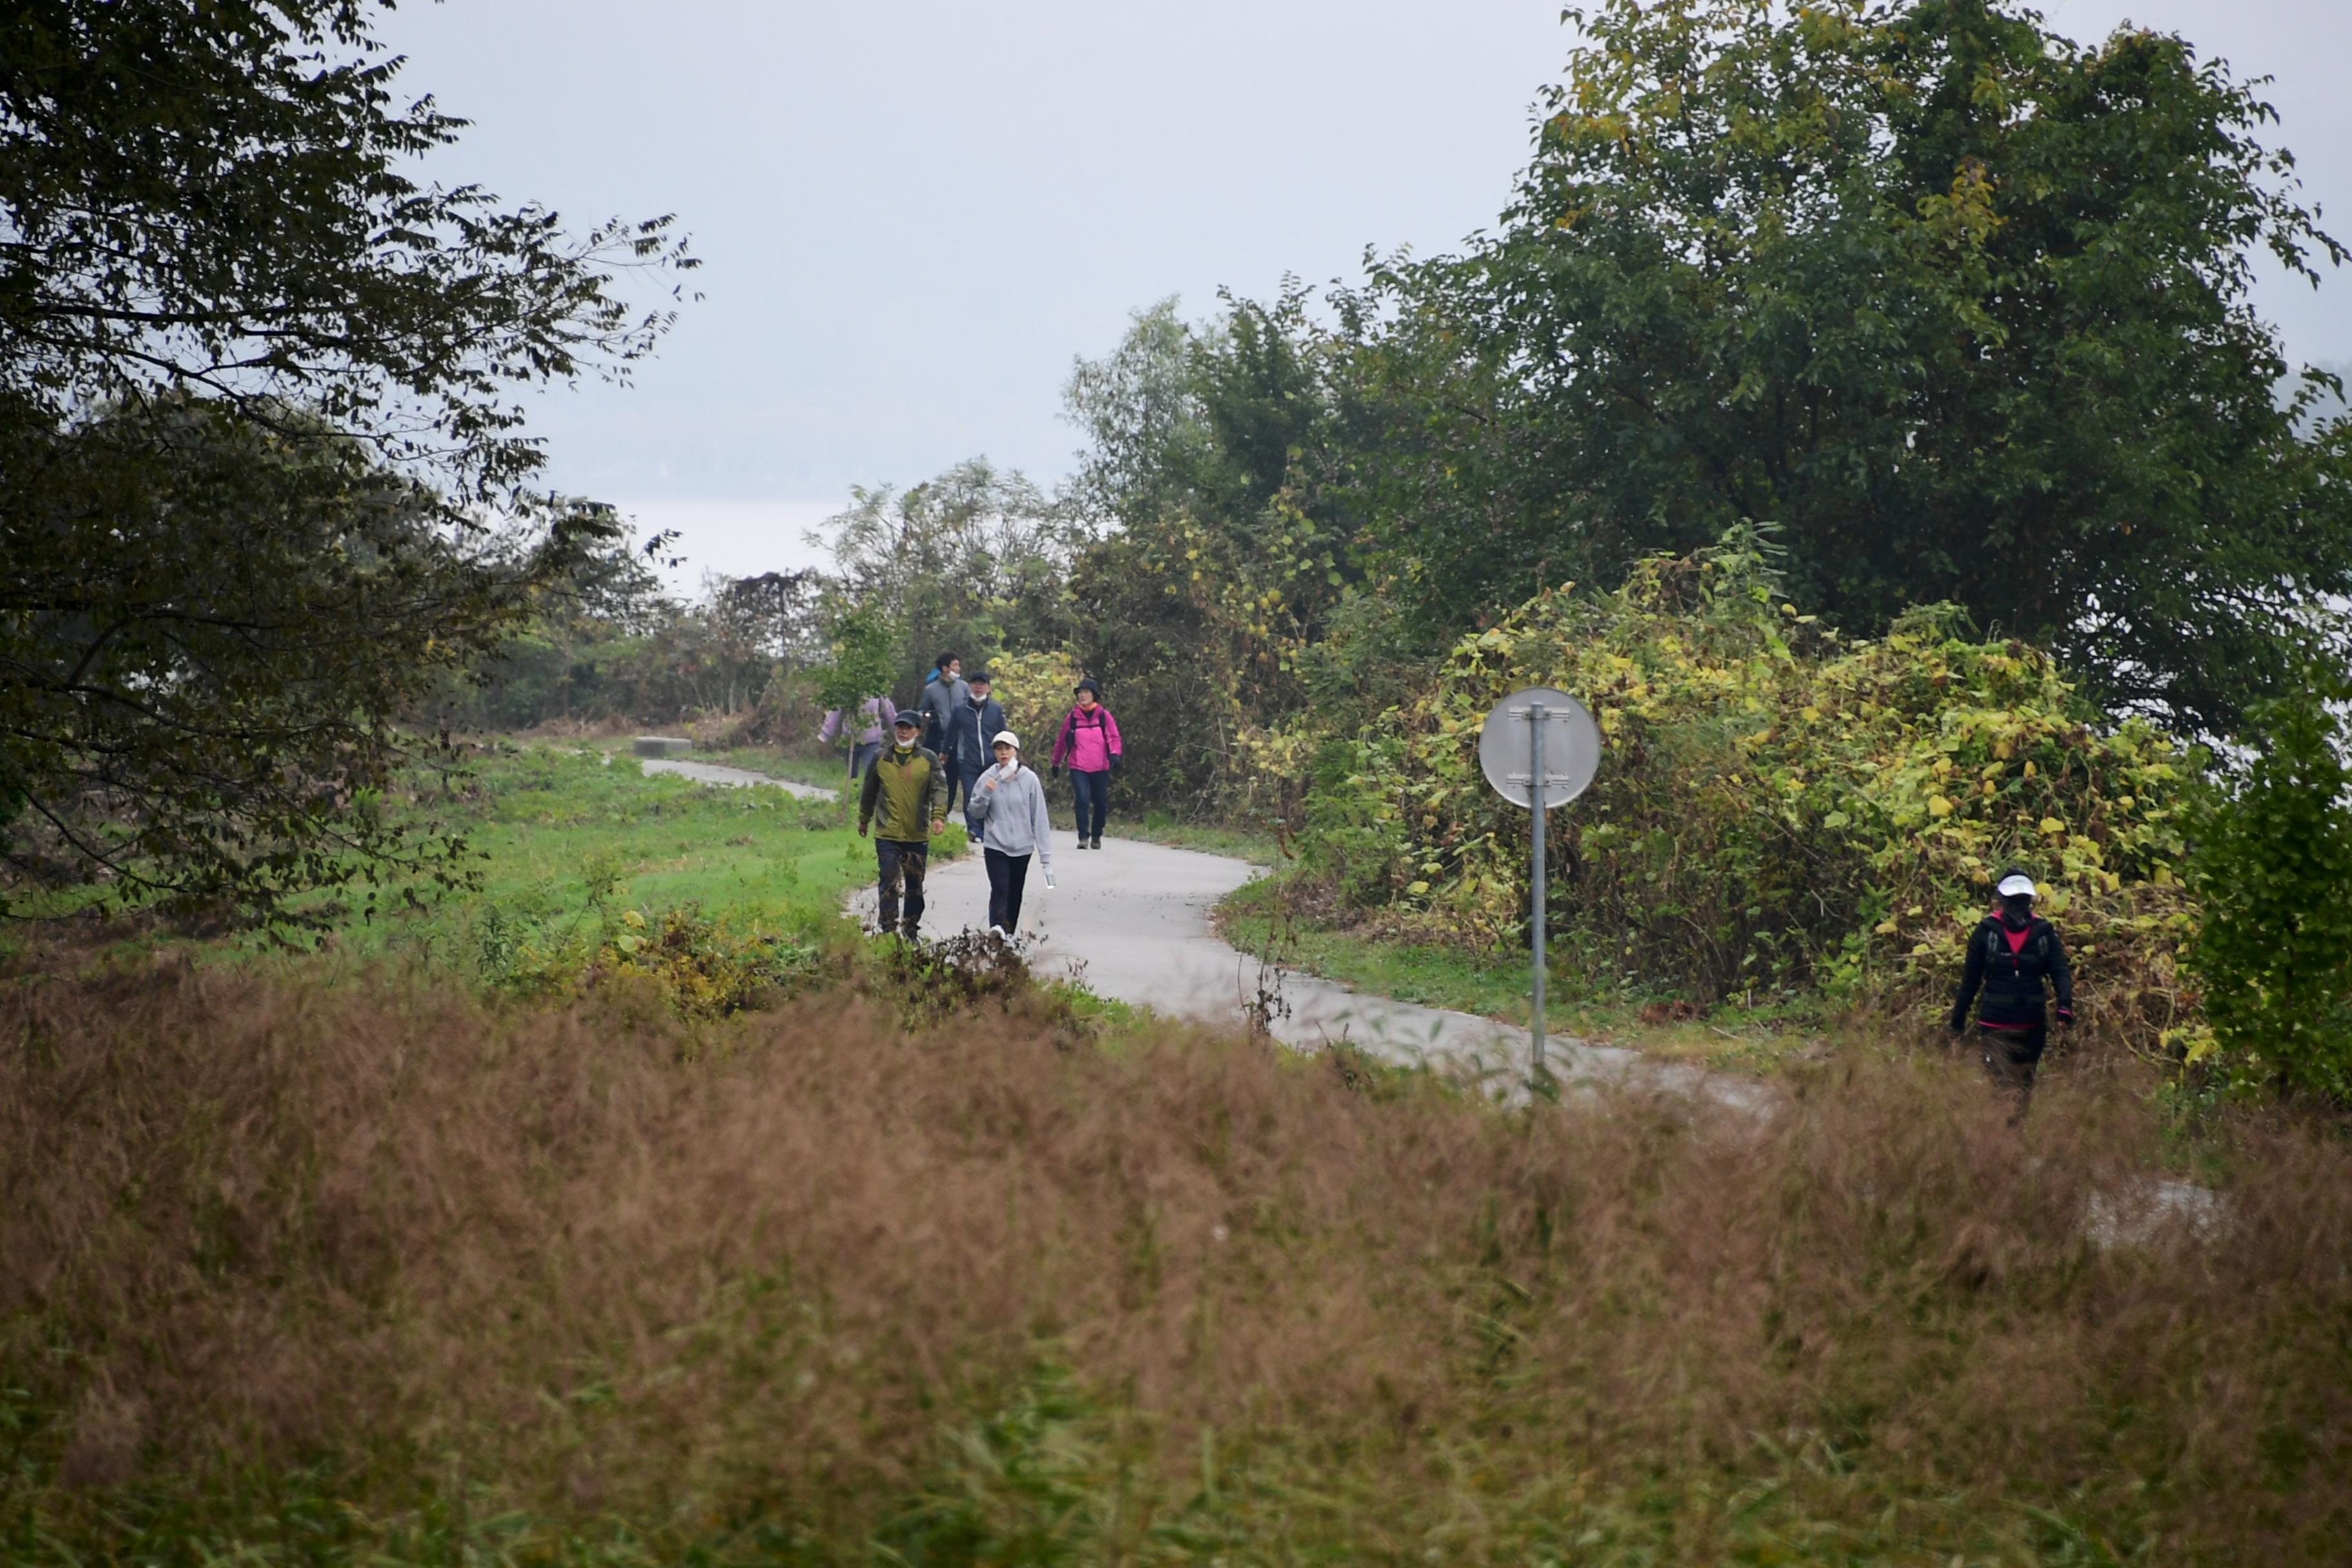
(903, 745)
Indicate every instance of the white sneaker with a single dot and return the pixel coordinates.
(998, 933)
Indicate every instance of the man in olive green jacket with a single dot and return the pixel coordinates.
(901, 802)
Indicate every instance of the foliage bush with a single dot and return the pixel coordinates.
(2272, 868)
(1035, 691)
(680, 957)
(1776, 805)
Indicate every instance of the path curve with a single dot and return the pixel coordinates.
(739, 778)
(1131, 920)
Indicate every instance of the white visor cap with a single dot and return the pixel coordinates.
(1006, 738)
(2016, 888)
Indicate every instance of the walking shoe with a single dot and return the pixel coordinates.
(998, 933)
(1098, 843)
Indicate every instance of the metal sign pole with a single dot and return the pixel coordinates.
(1536, 775)
(1577, 749)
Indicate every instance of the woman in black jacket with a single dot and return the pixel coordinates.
(2012, 955)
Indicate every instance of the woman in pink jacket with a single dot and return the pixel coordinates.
(1088, 742)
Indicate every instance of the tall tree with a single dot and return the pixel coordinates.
(1962, 306)
(259, 400)
(973, 560)
(1218, 477)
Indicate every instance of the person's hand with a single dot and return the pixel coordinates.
(2066, 1017)
(861, 829)
(1058, 770)
(1115, 760)
(939, 825)
(988, 783)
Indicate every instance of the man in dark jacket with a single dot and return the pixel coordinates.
(901, 802)
(971, 729)
(2012, 955)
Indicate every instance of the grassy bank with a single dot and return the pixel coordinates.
(569, 845)
(583, 867)
(368, 1273)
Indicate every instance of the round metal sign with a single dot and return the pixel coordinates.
(1572, 746)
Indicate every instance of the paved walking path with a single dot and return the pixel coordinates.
(712, 773)
(1131, 921)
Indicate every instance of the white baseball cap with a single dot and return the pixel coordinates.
(2017, 886)
(1006, 738)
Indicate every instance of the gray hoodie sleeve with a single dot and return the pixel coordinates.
(1040, 822)
(979, 799)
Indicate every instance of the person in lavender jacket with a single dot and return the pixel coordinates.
(1089, 744)
(1009, 801)
(879, 712)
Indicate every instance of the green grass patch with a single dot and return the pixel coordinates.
(587, 868)
(564, 836)
(1759, 1036)
(1243, 841)
(829, 772)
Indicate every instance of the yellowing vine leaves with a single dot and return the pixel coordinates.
(1778, 805)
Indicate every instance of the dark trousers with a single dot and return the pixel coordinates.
(901, 865)
(954, 774)
(1093, 791)
(2012, 1056)
(1007, 875)
(861, 757)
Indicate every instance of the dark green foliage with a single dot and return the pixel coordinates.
(256, 385)
(2273, 868)
(219, 197)
(681, 662)
(1959, 305)
(1219, 454)
(213, 628)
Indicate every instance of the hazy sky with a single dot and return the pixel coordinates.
(913, 215)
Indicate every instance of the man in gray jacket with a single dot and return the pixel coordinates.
(943, 693)
(970, 729)
(1011, 803)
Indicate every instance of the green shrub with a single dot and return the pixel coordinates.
(2273, 869)
(1778, 806)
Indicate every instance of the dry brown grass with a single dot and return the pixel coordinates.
(624, 1270)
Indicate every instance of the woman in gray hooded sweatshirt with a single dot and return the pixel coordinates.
(1009, 801)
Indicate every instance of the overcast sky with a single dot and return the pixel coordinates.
(913, 215)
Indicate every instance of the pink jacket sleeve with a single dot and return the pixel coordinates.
(1110, 731)
(1061, 741)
